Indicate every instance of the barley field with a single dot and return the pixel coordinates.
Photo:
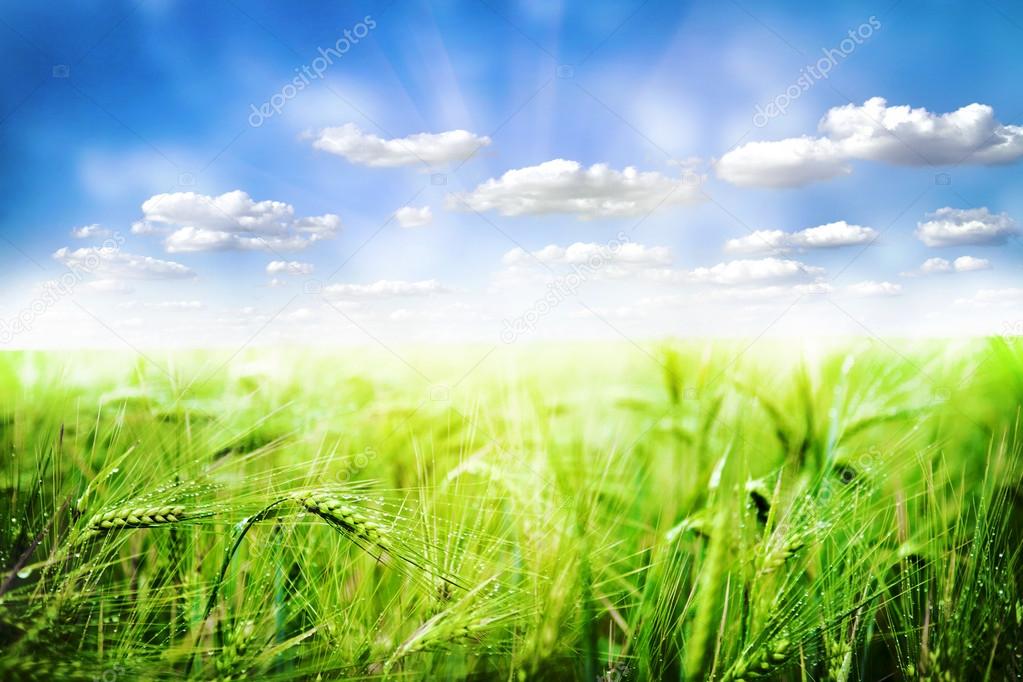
(676, 511)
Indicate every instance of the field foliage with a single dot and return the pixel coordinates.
(677, 511)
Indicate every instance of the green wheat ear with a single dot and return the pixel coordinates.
(762, 663)
(126, 518)
(137, 517)
(346, 517)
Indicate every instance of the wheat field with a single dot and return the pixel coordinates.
(677, 511)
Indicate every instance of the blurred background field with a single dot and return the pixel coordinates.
(698, 510)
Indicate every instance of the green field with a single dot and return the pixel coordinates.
(673, 511)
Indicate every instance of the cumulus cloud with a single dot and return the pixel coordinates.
(110, 286)
(192, 239)
(914, 137)
(615, 259)
(300, 315)
(755, 270)
(583, 253)
(447, 313)
(386, 289)
(409, 216)
(813, 288)
(230, 221)
(1004, 298)
(289, 267)
(110, 263)
(969, 264)
(974, 226)
(562, 186)
(783, 163)
(90, 231)
(232, 211)
(367, 149)
(176, 305)
(319, 226)
(830, 235)
(770, 292)
(874, 131)
(1011, 296)
(933, 266)
(141, 227)
(871, 288)
(622, 312)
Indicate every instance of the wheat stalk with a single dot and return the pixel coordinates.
(708, 599)
(461, 622)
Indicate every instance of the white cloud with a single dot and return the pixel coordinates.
(319, 226)
(176, 305)
(783, 163)
(782, 292)
(814, 288)
(367, 149)
(961, 264)
(289, 267)
(109, 263)
(192, 239)
(614, 260)
(622, 312)
(583, 253)
(409, 216)
(956, 227)
(232, 211)
(110, 286)
(916, 137)
(830, 235)
(143, 227)
(898, 135)
(933, 265)
(447, 313)
(90, 231)
(970, 264)
(562, 186)
(385, 289)
(758, 270)
(1011, 296)
(871, 288)
(760, 241)
(129, 323)
(230, 221)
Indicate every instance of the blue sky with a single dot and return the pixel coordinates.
(108, 106)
